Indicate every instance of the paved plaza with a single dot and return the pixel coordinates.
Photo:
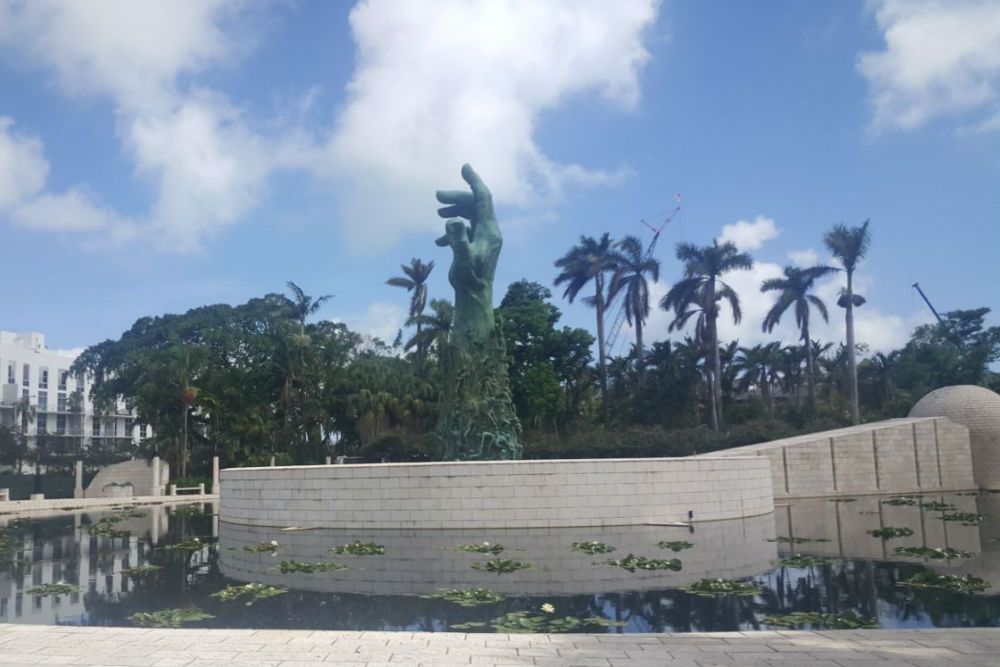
(136, 647)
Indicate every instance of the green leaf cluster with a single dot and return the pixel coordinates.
(947, 582)
(360, 549)
(593, 548)
(248, 593)
(889, 532)
(632, 563)
(719, 588)
(932, 553)
(168, 618)
(467, 597)
(291, 566)
(482, 548)
(847, 620)
(501, 566)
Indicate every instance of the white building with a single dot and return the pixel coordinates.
(63, 409)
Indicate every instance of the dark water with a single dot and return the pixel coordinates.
(384, 592)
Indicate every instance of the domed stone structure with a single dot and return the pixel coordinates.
(978, 409)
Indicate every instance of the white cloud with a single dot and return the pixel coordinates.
(71, 353)
(130, 51)
(941, 57)
(803, 258)
(381, 320)
(438, 83)
(208, 167)
(76, 210)
(442, 82)
(749, 235)
(23, 167)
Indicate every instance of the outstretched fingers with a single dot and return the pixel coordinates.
(462, 203)
(479, 188)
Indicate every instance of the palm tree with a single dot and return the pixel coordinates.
(631, 267)
(25, 413)
(590, 261)
(703, 288)
(415, 281)
(304, 305)
(794, 288)
(433, 330)
(758, 366)
(849, 245)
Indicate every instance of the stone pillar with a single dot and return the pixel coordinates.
(215, 474)
(272, 461)
(329, 460)
(156, 476)
(78, 487)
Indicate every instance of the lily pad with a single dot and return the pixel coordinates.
(248, 593)
(633, 563)
(501, 566)
(947, 582)
(467, 597)
(168, 618)
(720, 588)
(845, 621)
(593, 548)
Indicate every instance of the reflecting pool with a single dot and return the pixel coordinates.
(131, 565)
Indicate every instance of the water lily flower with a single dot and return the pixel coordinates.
(548, 608)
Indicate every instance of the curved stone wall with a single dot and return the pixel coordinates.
(891, 456)
(498, 494)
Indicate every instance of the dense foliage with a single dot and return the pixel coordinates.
(256, 380)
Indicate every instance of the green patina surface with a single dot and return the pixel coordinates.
(477, 421)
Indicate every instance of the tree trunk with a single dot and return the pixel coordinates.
(602, 361)
(638, 349)
(713, 413)
(765, 388)
(851, 360)
(810, 389)
(718, 420)
(420, 348)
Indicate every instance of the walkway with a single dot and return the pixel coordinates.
(136, 647)
(69, 504)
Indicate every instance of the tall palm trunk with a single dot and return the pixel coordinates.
(638, 350)
(851, 360)
(420, 349)
(602, 360)
(713, 413)
(810, 387)
(717, 419)
(765, 389)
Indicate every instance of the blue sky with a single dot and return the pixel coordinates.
(155, 157)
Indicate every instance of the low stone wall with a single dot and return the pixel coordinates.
(498, 494)
(892, 456)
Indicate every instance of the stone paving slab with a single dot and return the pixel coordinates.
(71, 646)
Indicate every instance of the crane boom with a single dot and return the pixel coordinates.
(619, 321)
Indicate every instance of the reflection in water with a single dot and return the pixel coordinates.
(419, 562)
(383, 592)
